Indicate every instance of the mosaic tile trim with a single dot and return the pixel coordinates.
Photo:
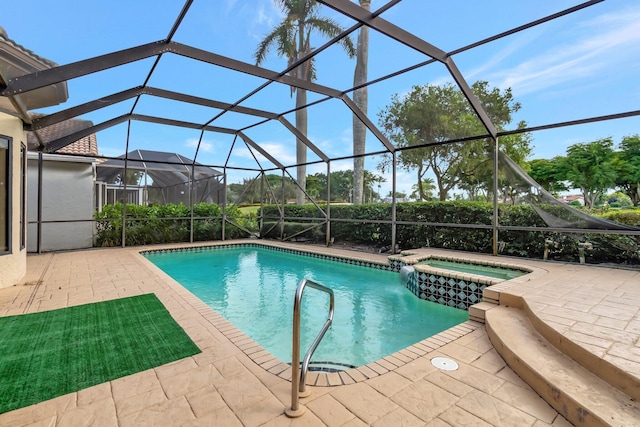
(358, 262)
(445, 290)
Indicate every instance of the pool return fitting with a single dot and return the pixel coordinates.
(298, 373)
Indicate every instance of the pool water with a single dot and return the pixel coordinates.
(477, 269)
(254, 289)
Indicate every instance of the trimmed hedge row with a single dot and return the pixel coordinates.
(170, 223)
(617, 249)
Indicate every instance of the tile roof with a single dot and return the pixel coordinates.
(5, 38)
(87, 145)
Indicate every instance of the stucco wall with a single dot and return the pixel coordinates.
(13, 265)
(67, 195)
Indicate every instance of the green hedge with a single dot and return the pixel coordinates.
(530, 244)
(624, 216)
(155, 224)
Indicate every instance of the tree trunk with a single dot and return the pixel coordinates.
(301, 148)
(360, 98)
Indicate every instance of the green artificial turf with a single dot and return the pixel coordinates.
(48, 354)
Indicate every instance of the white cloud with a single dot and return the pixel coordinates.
(262, 16)
(600, 43)
(278, 151)
(205, 145)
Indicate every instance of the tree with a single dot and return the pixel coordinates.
(589, 167)
(627, 166)
(342, 184)
(550, 174)
(618, 199)
(423, 192)
(314, 187)
(292, 39)
(369, 180)
(133, 177)
(360, 98)
(399, 195)
(429, 116)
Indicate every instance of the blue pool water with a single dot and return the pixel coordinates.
(254, 289)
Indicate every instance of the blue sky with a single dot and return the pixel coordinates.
(582, 65)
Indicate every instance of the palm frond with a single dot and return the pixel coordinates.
(330, 29)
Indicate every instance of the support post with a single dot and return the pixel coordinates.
(124, 187)
(191, 198)
(393, 203)
(224, 203)
(39, 237)
(329, 240)
(495, 197)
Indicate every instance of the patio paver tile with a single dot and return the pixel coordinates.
(425, 400)
(449, 384)
(389, 384)
(490, 362)
(527, 401)
(364, 401)
(457, 416)
(493, 410)
(329, 410)
(100, 413)
(139, 402)
(399, 417)
(173, 412)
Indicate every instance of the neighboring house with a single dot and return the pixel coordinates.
(15, 61)
(68, 190)
(163, 178)
(575, 198)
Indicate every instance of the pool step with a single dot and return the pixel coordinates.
(329, 366)
(580, 396)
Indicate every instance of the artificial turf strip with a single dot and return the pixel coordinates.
(51, 353)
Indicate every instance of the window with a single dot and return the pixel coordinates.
(23, 196)
(5, 194)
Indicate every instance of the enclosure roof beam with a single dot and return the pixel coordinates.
(60, 116)
(71, 138)
(62, 73)
(303, 138)
(243, 67)
(176, 96)
(471, 97)
(368, 123)
(403, 36)
(73, 70)
(51, 119)
(385, 27)
(259, 149)
(180, 123)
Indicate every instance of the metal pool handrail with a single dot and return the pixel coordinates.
(298, 375)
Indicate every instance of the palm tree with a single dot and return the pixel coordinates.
(423, 190)
(292, 39)
(360, 98)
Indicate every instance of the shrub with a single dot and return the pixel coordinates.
(170, 223)
(618, 249)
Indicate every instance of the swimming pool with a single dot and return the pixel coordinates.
(253, 287)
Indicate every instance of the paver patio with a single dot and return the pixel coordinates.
(232, 382)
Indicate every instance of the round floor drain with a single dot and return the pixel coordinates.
(444, 363)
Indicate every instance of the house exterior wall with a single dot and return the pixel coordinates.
(13, 263)
(68, 194)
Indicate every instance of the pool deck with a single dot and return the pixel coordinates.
(234, 383)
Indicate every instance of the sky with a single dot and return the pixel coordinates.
(578, 66)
